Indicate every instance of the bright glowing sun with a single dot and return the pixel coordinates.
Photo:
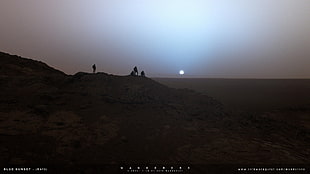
(181, 72)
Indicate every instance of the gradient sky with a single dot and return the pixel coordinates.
(210, 38)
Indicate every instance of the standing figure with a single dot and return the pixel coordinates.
(132, 73)
(94, 68)
(142, 74)
(135, 69)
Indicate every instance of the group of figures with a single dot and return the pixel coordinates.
(135, 72)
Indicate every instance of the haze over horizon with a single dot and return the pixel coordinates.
(226, 39)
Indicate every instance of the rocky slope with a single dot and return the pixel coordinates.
(50, 118)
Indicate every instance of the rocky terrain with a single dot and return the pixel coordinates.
(50, 118)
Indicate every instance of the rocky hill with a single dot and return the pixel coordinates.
(12, 65)
(50, 118)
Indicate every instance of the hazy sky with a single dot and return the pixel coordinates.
(205, 38)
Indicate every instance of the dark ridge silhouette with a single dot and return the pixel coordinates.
(49, 118)
(16, 65)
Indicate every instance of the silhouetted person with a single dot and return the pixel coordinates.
(132, 73)
(135, 69)
(94, 68)
(142, 74)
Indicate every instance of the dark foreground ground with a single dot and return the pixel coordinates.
(98, 123)
(282, 103)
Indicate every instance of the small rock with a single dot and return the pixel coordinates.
(167, 126)
(124, 139)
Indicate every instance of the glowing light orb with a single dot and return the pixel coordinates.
(181, 72)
